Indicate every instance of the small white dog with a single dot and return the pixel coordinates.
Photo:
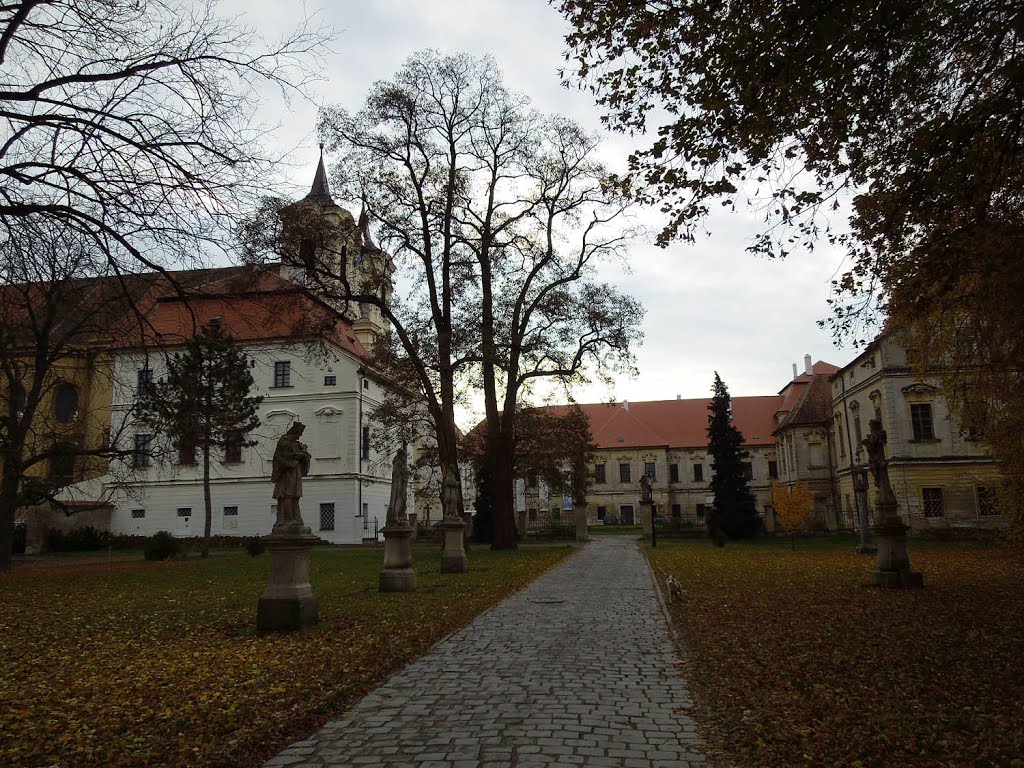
(675, 589)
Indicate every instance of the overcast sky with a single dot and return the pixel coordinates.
(710, 305)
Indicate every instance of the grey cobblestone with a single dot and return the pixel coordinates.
(577, 669)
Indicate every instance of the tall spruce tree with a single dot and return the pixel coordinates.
(204, 402)
(733, 513)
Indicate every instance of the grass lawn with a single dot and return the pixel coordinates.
(139, 663)
(794, 661)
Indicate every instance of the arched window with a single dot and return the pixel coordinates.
(65, 402)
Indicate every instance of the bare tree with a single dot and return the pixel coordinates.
(129, 122)
(494, 216)
(55, 370)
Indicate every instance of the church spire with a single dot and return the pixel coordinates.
(320, 192)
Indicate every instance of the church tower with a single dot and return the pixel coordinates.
(326, 250)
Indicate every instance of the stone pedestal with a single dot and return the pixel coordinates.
(893, 561)
(521, 523)
(453, 556)
(646, 519)
(288, 602)
(412, 524)
(580, 514)
(398, 575)
(865, 546)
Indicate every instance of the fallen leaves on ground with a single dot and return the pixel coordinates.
(795, 661)
(137, 664)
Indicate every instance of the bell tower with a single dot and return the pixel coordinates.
(325, 250)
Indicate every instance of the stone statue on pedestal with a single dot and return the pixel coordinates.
(893, 561)
(399, 487)
(290, 465)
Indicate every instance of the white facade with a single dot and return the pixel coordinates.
(345, 493)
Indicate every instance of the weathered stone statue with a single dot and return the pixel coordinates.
(893, 561)
(453, 555)
(646, 489)
(874, 443)
(398, 575)
(290, 465)
(399, 487)
(288, 601)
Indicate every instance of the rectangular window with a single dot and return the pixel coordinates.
(233, 449)
(932, 498)
(184, 511)
(366, 383)
(145, 378)
(142, 454)
(283, 373)
(625, 474)
(230, 511)
(626, 514)
(842, 443)
(599, 475)
(748, 470)
(987, 501)
(330, 381)
(366, 509)
(816, 454)
(673, 473)
(698, 473)
(677, 510)
(649, 470)
(230, 518)
(921, 421)
(701, 510)
(138, 514)
(773, 469)
(365, 446)
(186, 453)
(327, 516)
(858, 436)
(601, 512)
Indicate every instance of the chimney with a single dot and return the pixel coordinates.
(794, 371)
(679, 397)
(807, 365)
(625, 405)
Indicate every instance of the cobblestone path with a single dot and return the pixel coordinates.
(575, 670)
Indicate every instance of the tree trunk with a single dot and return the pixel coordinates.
(207, 503)
(8, 502)
(503, 485)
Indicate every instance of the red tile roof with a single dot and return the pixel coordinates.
(676, 423)
(253, 304)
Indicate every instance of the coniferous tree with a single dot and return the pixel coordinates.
(733, 513)
(204, 402)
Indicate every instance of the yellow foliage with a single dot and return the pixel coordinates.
(792, 504)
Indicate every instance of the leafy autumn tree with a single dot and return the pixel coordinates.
(910, 110)
(792, 505)
(733, 513)
(552, 444)
(203, 403)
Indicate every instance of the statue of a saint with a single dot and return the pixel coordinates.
(646, 489)
(874, 443)
(450, 494)
(399, 487)
(291, 462)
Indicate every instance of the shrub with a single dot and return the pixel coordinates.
(254, 546)
(161, 546)
(76, 540)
